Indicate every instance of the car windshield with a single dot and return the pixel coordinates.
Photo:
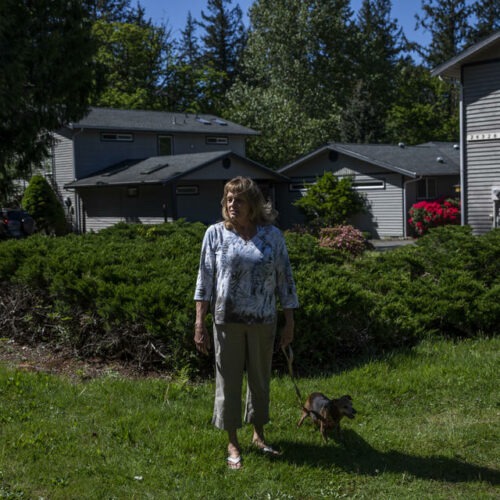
(14, 215)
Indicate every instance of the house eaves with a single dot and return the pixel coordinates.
(160, 170)
(158, 121)
(489, 48)
(367, 154)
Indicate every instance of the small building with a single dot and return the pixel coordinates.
(477, 69)
(149, 166)
(391, 178)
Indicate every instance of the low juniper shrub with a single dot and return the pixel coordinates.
(127, 292)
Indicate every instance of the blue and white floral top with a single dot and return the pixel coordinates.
(241, 279)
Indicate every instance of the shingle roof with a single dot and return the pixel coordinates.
(158, 121)
(432, 158)
(159, 169)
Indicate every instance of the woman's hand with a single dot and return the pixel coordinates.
(287, 334)
(202, 338)
(288, 329)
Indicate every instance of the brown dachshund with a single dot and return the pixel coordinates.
(327, 413)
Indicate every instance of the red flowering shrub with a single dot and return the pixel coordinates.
(344, 238)
(427, 214)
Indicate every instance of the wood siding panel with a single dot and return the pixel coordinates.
(481, 97)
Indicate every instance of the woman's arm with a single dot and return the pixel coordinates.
(201, 335)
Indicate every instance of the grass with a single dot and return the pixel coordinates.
(427, 427)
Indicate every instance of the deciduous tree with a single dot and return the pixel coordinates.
(133, 61)
(295, 73)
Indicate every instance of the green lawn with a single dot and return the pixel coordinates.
(427, 427)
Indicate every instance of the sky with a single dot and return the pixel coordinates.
(174, 13)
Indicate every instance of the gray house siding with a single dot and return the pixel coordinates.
(194, 197)
(186, 143)
(385, 217)
(93, 154)
(63, 171)
(481, 103)
(103, 207)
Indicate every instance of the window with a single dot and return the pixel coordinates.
(369, 184)
(165, 145)
(186, 190)
(116, 137)
(301, 185)
(218, 140)
(426, 189)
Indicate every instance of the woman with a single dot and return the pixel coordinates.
(243, 266)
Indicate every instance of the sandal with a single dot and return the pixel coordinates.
(234, 463)
(266, 449)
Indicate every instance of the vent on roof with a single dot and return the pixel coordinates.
(115, 171)
(333, 155)
(154, 168)
(440, 159)
(220, 122)
(401, 144)
(456, 146)
(202, 120)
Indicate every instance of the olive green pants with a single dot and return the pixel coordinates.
(238, 347)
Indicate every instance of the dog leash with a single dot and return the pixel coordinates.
(289, 360)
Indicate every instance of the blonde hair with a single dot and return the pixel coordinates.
(260, 211)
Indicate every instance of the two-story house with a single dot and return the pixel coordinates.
(149, 166)
(477, 70)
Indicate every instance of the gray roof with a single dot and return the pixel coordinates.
(160, 169)
(432, 158)
(158, 121)
(475, 53)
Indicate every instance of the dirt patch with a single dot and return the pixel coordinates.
(58, 361)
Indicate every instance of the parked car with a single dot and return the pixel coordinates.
(15, 223)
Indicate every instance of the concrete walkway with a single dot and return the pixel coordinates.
(384, 245)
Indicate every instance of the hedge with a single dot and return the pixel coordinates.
(128, 292)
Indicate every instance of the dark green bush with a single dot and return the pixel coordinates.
(128, 292)
(41, 202)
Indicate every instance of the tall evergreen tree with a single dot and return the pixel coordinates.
(46, 79)
(110, 10)
(378, 45)
(195, 85)
(447, 22)
(188, 47)
(487, 15)
(224, 39)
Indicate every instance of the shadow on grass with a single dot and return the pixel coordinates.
(354, 454)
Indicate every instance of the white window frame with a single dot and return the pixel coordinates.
(116, 137)
(170, 138)
(192, 190)
(368, 184)
(217, 140)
